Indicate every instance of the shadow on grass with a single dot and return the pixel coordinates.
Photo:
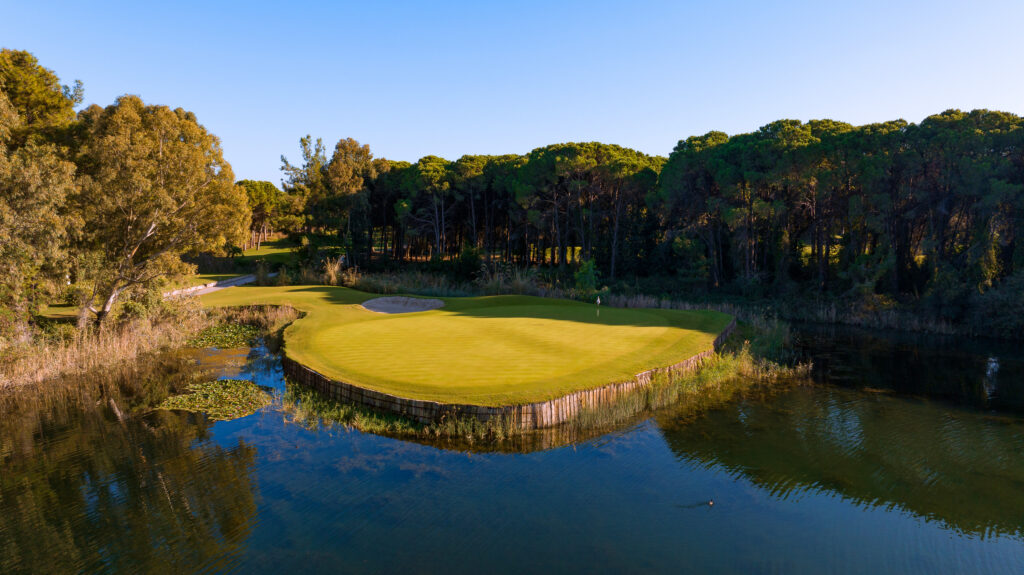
(520, 307)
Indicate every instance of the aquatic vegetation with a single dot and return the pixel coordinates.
(223, 399)
(225, 335)
(314, 410)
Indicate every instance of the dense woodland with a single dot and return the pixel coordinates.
(927, 217)
(98, 205)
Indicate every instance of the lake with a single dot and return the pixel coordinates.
(903, 454)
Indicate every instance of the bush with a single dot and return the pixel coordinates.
(586, 277)
(999, 312)
(467, 265)
(262, 274)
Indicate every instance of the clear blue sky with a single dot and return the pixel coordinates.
(451, 78)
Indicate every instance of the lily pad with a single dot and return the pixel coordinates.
(222, 400)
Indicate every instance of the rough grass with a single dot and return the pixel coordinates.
(497, 350)
(84, 351)
(222, 400)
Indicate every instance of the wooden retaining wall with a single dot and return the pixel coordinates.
(529, 416)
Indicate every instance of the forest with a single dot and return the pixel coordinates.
(98, 205)
(927, 218)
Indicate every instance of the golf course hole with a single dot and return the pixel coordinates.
(397, 304)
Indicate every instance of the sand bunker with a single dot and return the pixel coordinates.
(400, 304)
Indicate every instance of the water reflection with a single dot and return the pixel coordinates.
(981, 373)
(91, 482)
(961, 468)
(869, 476)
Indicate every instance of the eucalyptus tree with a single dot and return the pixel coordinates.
(155, 186)
(34, 185)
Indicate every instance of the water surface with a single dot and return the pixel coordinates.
(880, 466)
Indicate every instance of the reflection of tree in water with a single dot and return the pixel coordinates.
(87, 486)
(956, 467)
(985, 374)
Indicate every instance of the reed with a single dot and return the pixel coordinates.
(91, 349)
(307, 407)
(308, 276)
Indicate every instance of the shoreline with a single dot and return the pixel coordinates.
(529, 416)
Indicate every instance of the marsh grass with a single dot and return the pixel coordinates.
(721, 378)
(221, 400)
(306, 407)
(268, 320)
(89, 350)
(410, 282)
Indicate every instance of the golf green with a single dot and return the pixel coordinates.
(495, 350)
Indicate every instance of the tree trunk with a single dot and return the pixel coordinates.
(108, 305)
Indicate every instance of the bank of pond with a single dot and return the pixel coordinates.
(893, 453)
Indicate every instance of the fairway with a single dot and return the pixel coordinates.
(496, 350)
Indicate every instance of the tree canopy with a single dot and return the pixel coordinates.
(155, 186)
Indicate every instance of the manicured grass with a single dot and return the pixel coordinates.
(495, 350)
(202, 279)
(60, 312)
(273, 252)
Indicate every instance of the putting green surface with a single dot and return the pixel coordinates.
(496, 350)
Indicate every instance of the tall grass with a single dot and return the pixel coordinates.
(333, 271)
(91, 349)
(494, 279)
(720, 379)
(825, 311)
(411, 282)
(262, 273)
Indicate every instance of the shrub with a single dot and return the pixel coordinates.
(467, 265)
(308, 276)
(586, 277)
(262, 274)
